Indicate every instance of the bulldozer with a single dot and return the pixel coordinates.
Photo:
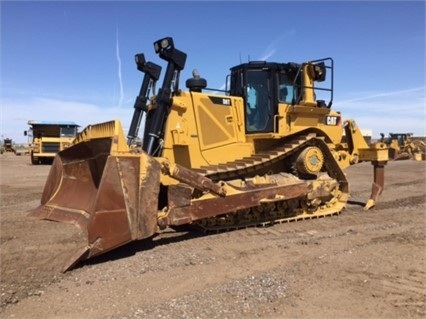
(402, 146)
(7, 146)
(265, 150)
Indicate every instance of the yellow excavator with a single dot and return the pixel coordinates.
(265, 150)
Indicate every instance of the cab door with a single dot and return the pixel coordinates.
(259, 110)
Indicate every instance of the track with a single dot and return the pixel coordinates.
(271, 162)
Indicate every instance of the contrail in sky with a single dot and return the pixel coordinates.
(117, 51)
(271, 48)
(268, 54)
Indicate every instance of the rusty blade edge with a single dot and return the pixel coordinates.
(80, 254)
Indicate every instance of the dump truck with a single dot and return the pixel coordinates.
(265, 150)
(48, 138)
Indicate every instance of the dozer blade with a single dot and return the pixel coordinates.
(112, 196)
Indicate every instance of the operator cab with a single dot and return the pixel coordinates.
(264, 85)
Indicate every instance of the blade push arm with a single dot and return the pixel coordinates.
(176, 62)
(152, 73)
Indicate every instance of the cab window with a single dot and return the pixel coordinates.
(285, 89)
(257, 101)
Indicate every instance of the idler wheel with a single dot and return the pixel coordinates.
(310, 160)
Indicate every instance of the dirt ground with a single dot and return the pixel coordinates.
(355, 265)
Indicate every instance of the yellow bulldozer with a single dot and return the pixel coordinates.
(402, 146)
(264, 150)
(7, 146)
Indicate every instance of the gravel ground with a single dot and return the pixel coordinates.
(355, 265)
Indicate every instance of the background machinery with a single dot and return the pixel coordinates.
(49, 138)
(7, 146)
(263, 151)
(403, 146)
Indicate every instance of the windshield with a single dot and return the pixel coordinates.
(68, 131)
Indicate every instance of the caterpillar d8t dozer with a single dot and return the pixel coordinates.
(263, 151)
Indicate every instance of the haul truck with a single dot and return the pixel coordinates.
(47, 138)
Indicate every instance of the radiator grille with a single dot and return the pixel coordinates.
(50, 147)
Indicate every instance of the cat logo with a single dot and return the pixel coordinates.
(332, 120)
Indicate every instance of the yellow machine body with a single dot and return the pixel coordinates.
(47, 138)
(403, 146)
(267, 150)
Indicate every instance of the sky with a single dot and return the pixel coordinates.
(74, 60)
